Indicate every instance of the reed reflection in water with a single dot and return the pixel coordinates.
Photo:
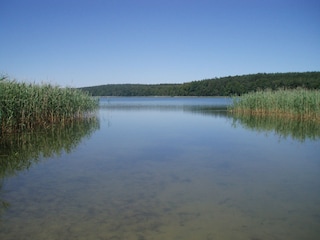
(18, 152)
(300, 130)
(170, 168)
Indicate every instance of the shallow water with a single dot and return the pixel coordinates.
(164, 168)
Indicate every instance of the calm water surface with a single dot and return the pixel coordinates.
(163, 168)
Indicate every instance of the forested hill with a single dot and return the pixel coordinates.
(225, 86)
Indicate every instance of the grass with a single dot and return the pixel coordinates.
(28, 106)
(295, 103)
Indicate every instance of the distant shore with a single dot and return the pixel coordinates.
(224, 86)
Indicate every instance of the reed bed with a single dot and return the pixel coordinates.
(28, 106)
(295, 103)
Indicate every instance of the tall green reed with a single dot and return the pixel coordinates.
(27, 106)
(297, 103)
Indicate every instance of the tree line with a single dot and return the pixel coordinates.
(224, 86)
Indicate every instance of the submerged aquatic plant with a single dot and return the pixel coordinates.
(26, 106)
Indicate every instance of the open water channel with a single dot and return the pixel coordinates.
(163, 168)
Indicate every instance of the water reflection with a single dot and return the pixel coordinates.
(300, 130)
(164, 103)
(214, 106)
(178, 173)
(19, 151)
(3, 204)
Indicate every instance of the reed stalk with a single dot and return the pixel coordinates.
(295, 103)
(27, 106)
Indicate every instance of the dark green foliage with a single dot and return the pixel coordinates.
(134, 90)
(225, 86)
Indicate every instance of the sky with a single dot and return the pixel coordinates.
(77, 43)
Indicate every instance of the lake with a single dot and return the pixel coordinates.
(163, 168)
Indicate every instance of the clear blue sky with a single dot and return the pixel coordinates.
(92, 42)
